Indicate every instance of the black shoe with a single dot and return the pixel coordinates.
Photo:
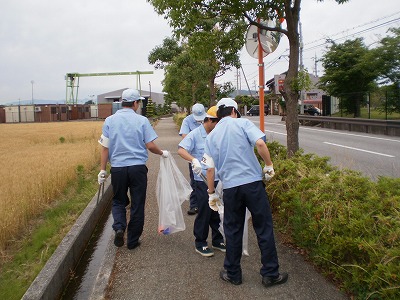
(134, 246)
(193, 211)
(221, 247)
(270, 281)
(224, 276)
(204, 251)
(119, 238)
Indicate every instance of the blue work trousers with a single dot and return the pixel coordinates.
(254, 197)
(134, 179)
(205, 218)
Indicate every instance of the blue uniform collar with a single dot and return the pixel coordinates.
(223, 120)
(123, 110)
(203, 131)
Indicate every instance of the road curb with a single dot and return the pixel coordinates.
(103, 277)
(54, 277)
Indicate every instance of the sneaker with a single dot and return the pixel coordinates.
(193, 211)
(220, 247)
(270, 281)
(119, 238)
(224, 276)
(204, 251)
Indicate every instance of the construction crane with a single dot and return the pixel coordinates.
(72, 81)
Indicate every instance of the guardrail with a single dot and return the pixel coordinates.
(386, 127)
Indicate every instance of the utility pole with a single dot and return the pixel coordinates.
(247, 83)
(32, 82)
(237, 81)
(315, 65)
(150, 88)
(240, 80)
(261, 81)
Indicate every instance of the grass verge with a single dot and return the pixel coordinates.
(27, 255)
(348, 225)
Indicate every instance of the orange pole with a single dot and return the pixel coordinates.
(261, 80)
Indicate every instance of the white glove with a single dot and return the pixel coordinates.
(213, 201)
(268, 172)
(196, 166)
(165, 153)
(102, 176)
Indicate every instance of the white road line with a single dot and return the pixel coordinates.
(274, 132)
(352, 134)
(362, 150)
(342, 133)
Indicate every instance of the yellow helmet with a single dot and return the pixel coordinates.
(212, 112)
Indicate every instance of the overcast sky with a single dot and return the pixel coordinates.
(42, 40)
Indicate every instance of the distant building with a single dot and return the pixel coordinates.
(312, 96)
(45, 113)
(106, 103)
(2, 114)
(115, 96)
(110, 97)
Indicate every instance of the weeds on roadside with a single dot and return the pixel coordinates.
(348, 224)
(27, 257)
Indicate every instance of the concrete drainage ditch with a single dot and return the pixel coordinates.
(55, 275)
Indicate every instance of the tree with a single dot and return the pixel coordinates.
(219, 49)
(388, 58)
(245, 100)
(219, 52)
(186, 81)
(350, 72)
(224, 90)
(164, 54)
(186, 76)
(192, 16)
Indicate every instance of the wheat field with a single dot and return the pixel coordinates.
(37, 162)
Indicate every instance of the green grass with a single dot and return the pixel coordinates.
(27, 256)
(374, 114)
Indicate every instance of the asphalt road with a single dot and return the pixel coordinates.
(167, 266)
(373, 155)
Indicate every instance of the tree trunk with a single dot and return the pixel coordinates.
(290, 94)
(357, 103)
(212, 92)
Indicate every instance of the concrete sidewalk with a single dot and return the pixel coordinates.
(167, 267)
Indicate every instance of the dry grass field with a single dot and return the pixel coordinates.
(37, 162)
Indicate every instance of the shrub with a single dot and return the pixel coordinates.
(178, 118)
(348, 224)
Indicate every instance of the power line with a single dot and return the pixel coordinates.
(324, 43)
(355, 27)
(352, 34)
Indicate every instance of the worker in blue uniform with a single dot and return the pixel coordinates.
(229, 151)
(189, 123)
(191, 148)
(126, 137)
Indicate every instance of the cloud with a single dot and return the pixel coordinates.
(42, 40)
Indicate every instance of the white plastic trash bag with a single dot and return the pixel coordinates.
(246, 233)
(172, 190)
